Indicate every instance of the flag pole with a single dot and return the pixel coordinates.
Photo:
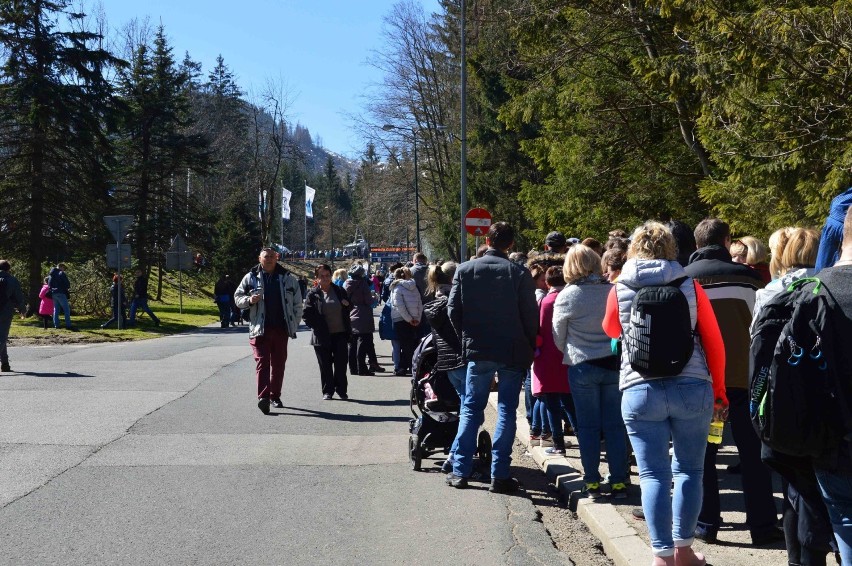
(306, 218)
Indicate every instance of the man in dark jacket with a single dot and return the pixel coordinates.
(11, 298)
(140, 299)
(492, 308)
(60, 289)
(731, 289)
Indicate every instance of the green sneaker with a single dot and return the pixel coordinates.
(592, 490)
(619, 491)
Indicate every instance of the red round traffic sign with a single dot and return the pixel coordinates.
(477, 221)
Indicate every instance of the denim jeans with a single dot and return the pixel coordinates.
(142, 304)
(676, 408)
(540, 420)
(395, 354)
(478, 386)
(457, 379)
(553, 405)
(597, 403)
(60, 303)
(529, 400)
(836, 488)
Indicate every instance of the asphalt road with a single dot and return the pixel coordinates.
(155, 452)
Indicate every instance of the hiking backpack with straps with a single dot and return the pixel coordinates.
(659, 339)
(798, 403)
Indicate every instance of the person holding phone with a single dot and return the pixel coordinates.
(274, 299)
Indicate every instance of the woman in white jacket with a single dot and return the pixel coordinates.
(406, 310)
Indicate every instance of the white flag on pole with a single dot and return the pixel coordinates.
(285, 203)
(309, 201)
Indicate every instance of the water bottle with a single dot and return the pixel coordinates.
(715, 435)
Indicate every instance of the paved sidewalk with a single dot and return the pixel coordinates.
(624, 538)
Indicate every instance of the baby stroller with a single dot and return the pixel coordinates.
(434, 428)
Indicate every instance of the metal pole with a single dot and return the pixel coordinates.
(416, 193)
(332, 241)
(463, 247)
(306, 219)
(180, 286)
(120, 311)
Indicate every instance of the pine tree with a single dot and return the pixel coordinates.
(55, 110)
(157, 149)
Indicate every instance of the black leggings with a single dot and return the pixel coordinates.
(407, 336)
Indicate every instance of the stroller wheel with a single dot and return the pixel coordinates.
(415, 456)
(483, 448)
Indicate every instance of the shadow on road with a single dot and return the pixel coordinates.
(339, 416)
(388, 403)
(50, 374)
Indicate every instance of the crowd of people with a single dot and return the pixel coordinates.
(640, 342)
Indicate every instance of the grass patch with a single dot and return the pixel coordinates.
(198, 310)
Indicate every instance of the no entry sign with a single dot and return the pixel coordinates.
(477, 221)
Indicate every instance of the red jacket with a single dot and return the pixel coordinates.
(549, 374)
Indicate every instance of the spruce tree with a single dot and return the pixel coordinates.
(55, 110)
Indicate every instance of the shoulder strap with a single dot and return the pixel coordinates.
(678, 282)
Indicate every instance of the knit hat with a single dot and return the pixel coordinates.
(832, 232)
(357, 271)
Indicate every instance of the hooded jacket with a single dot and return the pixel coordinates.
(731, 288)
(291, 299)
(406, 303)
(492, 307)
(549, 373)
(443, 333)
(58, 282)
(361, 315)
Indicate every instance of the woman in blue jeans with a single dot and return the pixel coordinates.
(657, 410)
(593, 375)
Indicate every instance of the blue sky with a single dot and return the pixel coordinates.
(317, 48)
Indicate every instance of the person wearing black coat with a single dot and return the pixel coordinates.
(361, 346)
(118, 301)
(444, 337)
(326, 313)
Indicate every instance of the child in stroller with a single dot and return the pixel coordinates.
(435, 427)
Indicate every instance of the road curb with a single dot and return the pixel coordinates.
(621, 543)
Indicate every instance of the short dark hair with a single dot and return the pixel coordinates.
(554, 276)
(710, 232)
(320, 267)
(501, 235)
(418, 257)
(5, 265)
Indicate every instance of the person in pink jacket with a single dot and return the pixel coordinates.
(45, 308)
(549, 374)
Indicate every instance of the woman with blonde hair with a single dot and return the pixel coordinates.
(592, 371)
(796, 260)
(657, 410)
(777, 242)
(750, 251)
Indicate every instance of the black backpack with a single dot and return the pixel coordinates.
(799, 390)
(659, 336)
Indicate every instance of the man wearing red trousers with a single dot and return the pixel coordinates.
(274, 299)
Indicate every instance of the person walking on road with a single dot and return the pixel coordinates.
(327, 314)
(272, 295)
(362, 352)
(660, 409)
(223, 295)
(60, 289)
(493, 310)
(11, 298)
(140, 299)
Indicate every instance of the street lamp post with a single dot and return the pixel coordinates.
(388, 127)
(463, 241)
